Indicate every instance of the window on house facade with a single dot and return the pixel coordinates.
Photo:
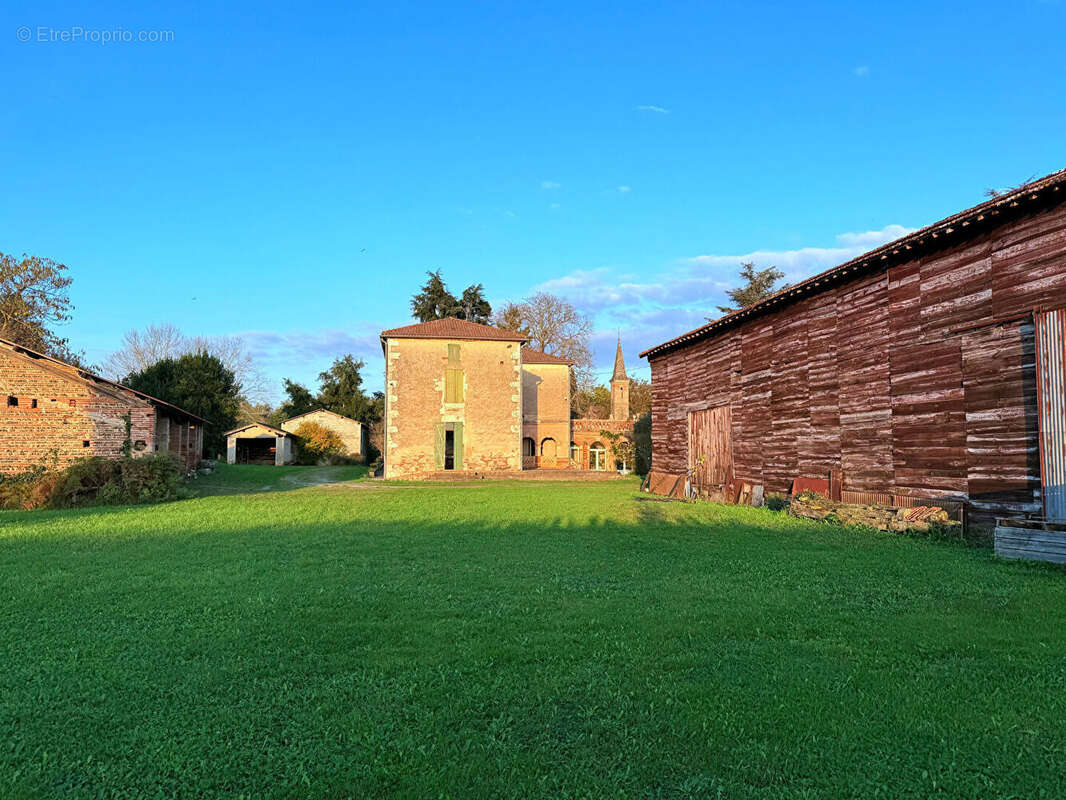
(453, 386)
(529, 447)
(453, 354)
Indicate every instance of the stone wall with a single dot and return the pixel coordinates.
(350, 430)
(546, 413)
(490, 411)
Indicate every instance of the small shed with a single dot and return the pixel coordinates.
(258, 443)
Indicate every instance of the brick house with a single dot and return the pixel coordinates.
(589, 449)
(49, 407)
(467, 397)
(352, 432)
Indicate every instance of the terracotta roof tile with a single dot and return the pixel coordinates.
(452, 329)
(531, 356)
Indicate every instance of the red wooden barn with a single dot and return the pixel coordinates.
(911, 370)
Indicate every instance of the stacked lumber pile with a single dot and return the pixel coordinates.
(920, 519)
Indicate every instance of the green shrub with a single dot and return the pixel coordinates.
(317, 444)
(94, 481)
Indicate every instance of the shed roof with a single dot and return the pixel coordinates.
(531, 356)
(451, 328)
(91, 378)
(949, 232)
(263, 425)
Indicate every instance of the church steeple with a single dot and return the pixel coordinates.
(619, 364)
(619, 386)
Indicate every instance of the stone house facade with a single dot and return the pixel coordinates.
(352, 432)
(53, 410)
(453, 398)
(467, 397)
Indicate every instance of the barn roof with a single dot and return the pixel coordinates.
(452, 328)
(322, 411)
(954, 230)
(91, 378)
(531, 356)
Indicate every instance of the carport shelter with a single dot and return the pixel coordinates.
(257, 443)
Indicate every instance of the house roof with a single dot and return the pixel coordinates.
(452, 329)
(322, 411)
(258, 425)
(91, 378)
(1031, 197)
(531, 356)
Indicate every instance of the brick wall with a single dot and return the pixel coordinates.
(490, 412)
(546, 414)
(60, 413)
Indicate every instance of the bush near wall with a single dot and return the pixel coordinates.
(94, 481)
(317, 444)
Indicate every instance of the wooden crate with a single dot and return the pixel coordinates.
(1031, 539)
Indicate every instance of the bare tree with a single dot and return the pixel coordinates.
(142, 349)
(553, 326)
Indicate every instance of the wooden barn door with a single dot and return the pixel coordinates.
(710, 448)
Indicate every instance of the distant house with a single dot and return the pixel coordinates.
(931, 367)
(353, 433)
(259, 443)
(51, 408)
(467, 397)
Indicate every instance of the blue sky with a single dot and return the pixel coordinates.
(288, 173)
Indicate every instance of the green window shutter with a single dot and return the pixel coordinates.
(438, 445)
(458, 445)
(453, 386)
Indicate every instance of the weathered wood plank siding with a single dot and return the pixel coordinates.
(1031, 544)
(918, 379)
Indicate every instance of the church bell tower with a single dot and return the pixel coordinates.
(619, 386)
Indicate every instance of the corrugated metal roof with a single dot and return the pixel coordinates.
(531, 356)
(89, 377)
(949, 232)
(453, 329)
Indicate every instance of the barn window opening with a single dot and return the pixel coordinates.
(12, 401)
(85, 443)
(33, 403)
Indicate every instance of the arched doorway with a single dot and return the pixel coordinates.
(598, 457)
(529, 447)
(575, 455)
(548, 448)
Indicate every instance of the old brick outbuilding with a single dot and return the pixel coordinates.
(51, 408)
(929, 367)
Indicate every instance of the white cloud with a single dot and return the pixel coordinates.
(549, 185)
(625, 189)
(681, 296)
(653, 109)
(861, 71)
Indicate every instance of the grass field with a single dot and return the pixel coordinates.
(515, 640)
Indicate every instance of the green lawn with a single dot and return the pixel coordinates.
(515, 640)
